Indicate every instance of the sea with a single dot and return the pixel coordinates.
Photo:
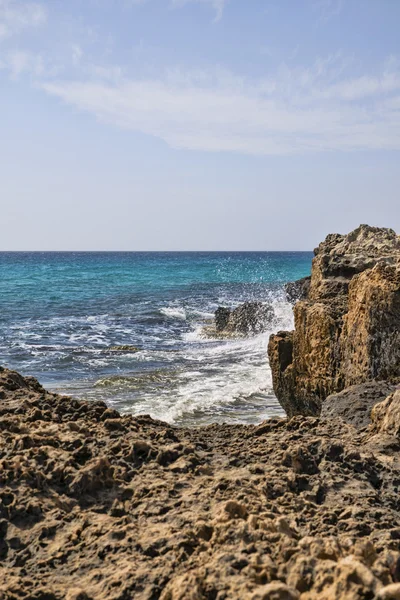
(63, 313)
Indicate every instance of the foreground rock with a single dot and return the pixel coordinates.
(249, 318)
(94, 505)
(347, 331)
(354, 404)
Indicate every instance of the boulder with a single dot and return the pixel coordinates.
(222, 315)
(347, 331)
(354, 404)
(385, 416)
(248, 318)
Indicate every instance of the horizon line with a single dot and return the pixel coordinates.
(142, 251)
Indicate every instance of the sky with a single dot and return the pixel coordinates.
(197, 124)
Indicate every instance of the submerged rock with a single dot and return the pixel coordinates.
(347, 331)
(125, 349)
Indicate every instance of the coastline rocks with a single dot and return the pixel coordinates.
(124, 349)
(249, 318)
(221, 316)
(354, 404)
(348, 330)
(297, 290)
(385, 416)
(101, 506)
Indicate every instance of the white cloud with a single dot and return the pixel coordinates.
(16, 16)
(298, 111)
(18, 62)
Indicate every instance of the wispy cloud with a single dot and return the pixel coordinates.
(19, 62)
(16, 16)
(327, 9)
(297, 111)
(217, 5)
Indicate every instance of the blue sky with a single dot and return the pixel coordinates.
(197, 124)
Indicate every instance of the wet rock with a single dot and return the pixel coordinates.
(222, 315)
(249, 318)
(297, 290)
(124, 349)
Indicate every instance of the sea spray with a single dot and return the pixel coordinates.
(57, 328)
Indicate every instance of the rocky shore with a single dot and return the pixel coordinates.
(95, 505)
(347, 324)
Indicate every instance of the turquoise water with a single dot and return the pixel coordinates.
(61, 312)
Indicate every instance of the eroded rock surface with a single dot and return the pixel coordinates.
(354, 404)
(385, 416)
(347, 331)
(95, 505)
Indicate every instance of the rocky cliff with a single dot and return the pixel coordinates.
(347, 330)
(99, 506)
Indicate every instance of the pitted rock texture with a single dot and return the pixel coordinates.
(347, 331)
(354, 404)
(385, 416)
(95, 505)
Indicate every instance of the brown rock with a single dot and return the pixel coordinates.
(276, 590)
(348, 330)
(370, 339)
(385, 416)
(354, 404)
(389, 592)
(306, 508)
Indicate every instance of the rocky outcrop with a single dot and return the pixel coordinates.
(297, 290)
(99, 506)
(348, 330)
(354, 404)
(249, 318)
(385, 416)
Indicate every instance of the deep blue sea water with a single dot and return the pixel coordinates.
(60, 312)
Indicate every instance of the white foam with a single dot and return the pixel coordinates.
(228, 371)
(173, 312)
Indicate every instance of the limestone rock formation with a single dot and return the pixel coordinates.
(347, 331)
(95, 505)
(385, 416)
(354, 404)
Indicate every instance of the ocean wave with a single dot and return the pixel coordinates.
(173, 312)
